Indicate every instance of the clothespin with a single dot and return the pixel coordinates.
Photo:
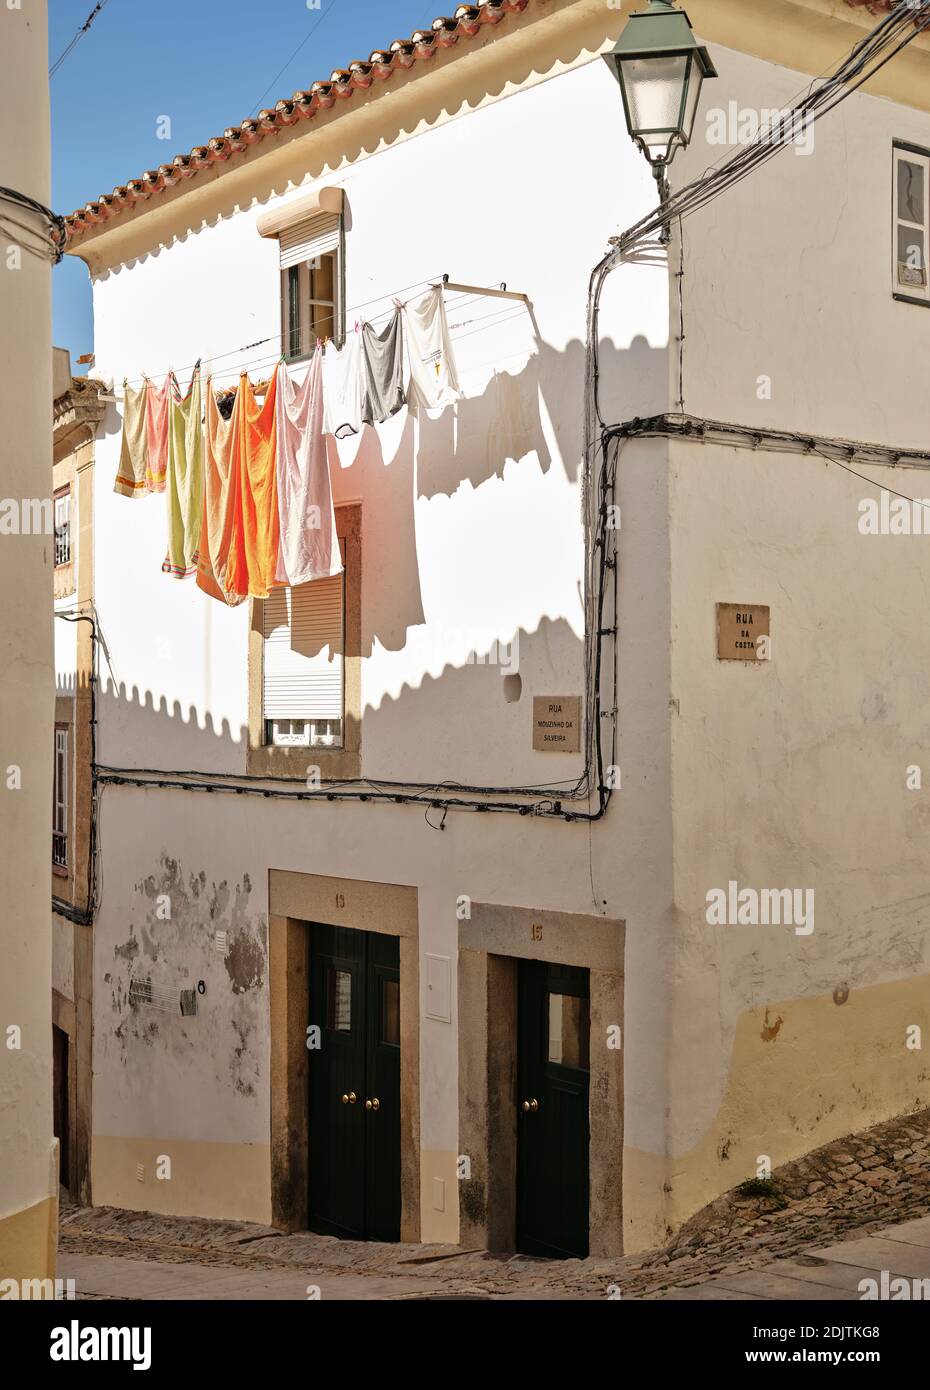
(357, 325)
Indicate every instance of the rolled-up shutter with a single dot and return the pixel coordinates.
(307, 240)
(302, 668)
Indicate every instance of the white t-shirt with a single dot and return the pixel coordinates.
(434, 380)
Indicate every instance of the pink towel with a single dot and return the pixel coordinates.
(308, 548)
(156, 428)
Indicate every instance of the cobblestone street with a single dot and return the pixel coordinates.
(869, 1192)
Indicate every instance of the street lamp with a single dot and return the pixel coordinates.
(660, 68)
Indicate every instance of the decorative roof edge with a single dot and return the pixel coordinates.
(422, 45)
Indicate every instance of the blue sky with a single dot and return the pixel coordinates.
(206, 64)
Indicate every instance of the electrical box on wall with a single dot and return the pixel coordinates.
(439, 988)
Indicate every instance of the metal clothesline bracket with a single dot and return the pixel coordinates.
(501, 293)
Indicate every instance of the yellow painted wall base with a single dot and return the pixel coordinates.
(803, 1072)
(28, 1242)
(229, 1182)
(439, 1188)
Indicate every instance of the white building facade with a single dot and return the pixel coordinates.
(492, 914)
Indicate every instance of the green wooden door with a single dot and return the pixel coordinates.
(355, 1084)
(553, 1040)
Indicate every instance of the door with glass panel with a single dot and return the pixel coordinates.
(355, 1084)
(553, 1041)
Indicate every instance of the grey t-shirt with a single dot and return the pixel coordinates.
(382, 366)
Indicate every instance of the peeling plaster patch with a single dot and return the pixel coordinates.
(242, 1061)
(244, 961)
(221, 1045)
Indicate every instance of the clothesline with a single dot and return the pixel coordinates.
(501, 315)
(258, 342)
(243, 494)
(248, 494)
(266, 360)
(460, 294)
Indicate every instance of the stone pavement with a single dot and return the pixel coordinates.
(118, 1277)
(860, 1186)
(834, 1272)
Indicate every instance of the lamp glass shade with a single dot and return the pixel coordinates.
(693, 96)
(654, 90)
(660, 68)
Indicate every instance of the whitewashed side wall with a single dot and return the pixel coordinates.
(793, 773)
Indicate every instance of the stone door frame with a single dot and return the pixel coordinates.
(491, 943)
(295, 902)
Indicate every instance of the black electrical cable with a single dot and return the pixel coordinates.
(705, 430)
(51, 245)
(77, 38)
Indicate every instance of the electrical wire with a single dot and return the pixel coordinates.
(331, 5)
(48, 246)
(704, 430)
(268, 360)
(276, 337)
(77, 38)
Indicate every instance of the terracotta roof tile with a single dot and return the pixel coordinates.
(466, 22)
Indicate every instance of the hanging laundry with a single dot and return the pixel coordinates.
(184, 481)
(342, 391)
(382, 363)
(156, 428)
(220, 493)
(253, 556)
(433, 377)
(133, 449)
(309, 547)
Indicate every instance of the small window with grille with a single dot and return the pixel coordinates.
(60, 800)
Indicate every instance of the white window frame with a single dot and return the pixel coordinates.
(60, 798)
(303, 271)
(62, 526)
(912, 154)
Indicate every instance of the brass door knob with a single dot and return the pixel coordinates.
(373, 1104)
(529, 1105)
(350, 1098)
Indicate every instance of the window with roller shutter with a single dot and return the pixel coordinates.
(305, 670)
(302, 669)
(311, 284)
